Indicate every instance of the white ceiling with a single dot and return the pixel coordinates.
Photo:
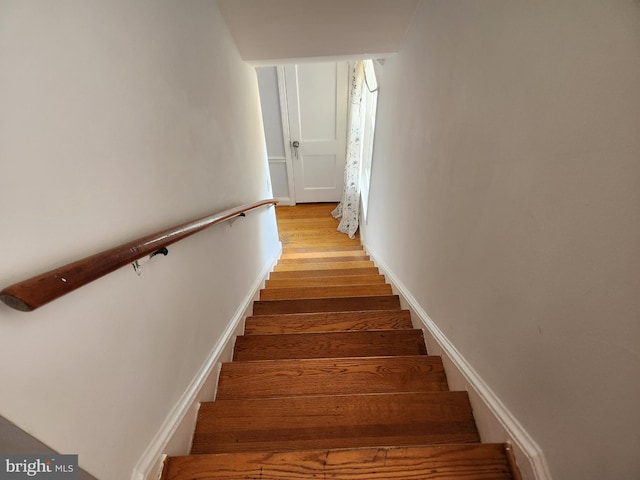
(276, 31)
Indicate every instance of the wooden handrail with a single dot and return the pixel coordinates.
(36, 291)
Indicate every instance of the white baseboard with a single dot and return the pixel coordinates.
(285, 201)
(495, 422)
(180, 422)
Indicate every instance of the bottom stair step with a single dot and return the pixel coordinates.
(328, 422)
(440, 462)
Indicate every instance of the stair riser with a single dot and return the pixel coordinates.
(341, 272)
(324, 292)
(328, 345)
(321, 438)
(326, 305)
(326, 281)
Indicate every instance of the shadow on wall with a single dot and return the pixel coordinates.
(15, 441)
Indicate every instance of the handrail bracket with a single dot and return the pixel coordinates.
(137, 264)
(233, 219)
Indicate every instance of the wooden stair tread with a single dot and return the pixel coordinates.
(340, 272)
(433, 462)
(323, 259)
(328, 322)
(342, 421)
(323, 254)
(325, 281)
(379, 343)
(323, 266)
(315, 249)
(332, 376)
(332, 291)
(347, 304)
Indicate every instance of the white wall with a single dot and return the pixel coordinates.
(506, 198)
(118, 119)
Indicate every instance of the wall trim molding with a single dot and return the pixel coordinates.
(524, 444)
(277, 160)
(150, 464)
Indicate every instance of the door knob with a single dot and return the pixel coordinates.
(295, 144)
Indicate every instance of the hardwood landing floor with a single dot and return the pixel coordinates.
(307, 228)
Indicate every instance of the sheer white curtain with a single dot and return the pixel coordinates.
(348, 209)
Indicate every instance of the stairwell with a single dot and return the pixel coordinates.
(331, 380)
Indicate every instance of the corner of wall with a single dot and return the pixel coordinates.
(285, 201)
(494, 421)
(175, 434)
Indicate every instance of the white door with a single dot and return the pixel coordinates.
(317, 110)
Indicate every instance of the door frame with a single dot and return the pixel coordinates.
(286, 130)
(286, 134)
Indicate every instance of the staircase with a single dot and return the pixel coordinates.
(331, 381)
